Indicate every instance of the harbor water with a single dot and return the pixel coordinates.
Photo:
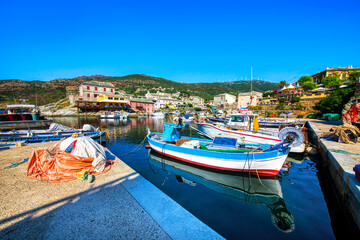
(297, 204)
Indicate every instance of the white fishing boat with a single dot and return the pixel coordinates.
(248, 136)
(244, 187)
(221, 153)
(158, 115)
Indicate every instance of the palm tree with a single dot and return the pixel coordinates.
(282, 84)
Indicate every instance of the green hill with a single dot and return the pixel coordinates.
(13, 90)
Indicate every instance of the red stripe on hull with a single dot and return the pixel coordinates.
(221, 130)
(260, 172)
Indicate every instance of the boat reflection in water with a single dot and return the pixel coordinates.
(264, 191)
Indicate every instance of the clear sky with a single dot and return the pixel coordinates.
(184, 41)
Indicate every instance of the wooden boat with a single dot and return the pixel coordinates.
(242, 135)
(114, 115)
(221, 153)
(54, 133)
(244, 187)
(158, 114)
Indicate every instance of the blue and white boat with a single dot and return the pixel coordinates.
(221, 153)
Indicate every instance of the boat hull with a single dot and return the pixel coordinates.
(258, 163)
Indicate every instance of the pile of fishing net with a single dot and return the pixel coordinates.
(347, 133)
(65, 159)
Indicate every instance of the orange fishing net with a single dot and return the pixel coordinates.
(55, 165)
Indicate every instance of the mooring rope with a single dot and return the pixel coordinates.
(17, 164)
(137, 148)
(343, 151)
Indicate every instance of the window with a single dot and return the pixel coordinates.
(95, 88)
(88, 94)
(110, 98)
(95, 95)
(116, 98)
(344, 75)
(112, 90)
(88, 87)
(121, 99)
(104, 89)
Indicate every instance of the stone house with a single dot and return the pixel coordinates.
(246, 99)
(342, 72)
(224, 99)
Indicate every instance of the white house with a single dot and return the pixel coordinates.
(225, 98)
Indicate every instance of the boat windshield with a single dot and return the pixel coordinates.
(238, 118)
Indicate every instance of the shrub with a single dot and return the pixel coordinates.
(304, 79)
(258, 107)
(280, 106)
(197, 109)
(309, 86)
(295, 100)
(335, 102)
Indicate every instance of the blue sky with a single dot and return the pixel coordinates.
(184, 41)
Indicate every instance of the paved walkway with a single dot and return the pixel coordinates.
(120, 204)
(325, 127)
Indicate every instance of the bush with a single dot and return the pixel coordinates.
(197, 109)
(280, 106)
(331, 82)
(304, 79)
(309, 86)
(335, 102)
(258, 107)
(281, 100)
(295, 99)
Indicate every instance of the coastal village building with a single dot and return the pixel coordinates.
(90, 90)
(246, 99)
(342, 72)
(224, 99)
(142, 105)
(109, 102)
(198, 101)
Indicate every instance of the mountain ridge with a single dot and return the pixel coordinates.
(53, 90)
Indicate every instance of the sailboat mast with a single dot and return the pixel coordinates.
(251, 80)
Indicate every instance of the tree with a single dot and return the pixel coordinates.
(353, 76)
(331, 82)
(309, 86)
(335, 102)
(266, 94)
(283, 84)
(304, 79)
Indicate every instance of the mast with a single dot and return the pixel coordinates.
(251, 80)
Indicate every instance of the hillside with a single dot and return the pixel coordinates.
(54, 90)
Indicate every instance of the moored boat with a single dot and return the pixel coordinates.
(221, 153)
(264, 137)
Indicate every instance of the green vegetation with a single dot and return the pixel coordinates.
(197, 109)
(295, 100)
(56, 89)
(309, 86)
(283, 84)
(258, 107)
(304, 79)
(353, 76)
(332, 82)
(335, 102)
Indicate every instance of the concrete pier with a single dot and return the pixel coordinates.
(120, 204)
(340, 169)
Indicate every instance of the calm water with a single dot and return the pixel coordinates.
(291, 205)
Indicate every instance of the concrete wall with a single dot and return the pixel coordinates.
(340, 169)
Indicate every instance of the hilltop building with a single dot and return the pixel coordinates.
(342, 72)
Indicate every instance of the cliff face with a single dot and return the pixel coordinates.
(54, 90)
